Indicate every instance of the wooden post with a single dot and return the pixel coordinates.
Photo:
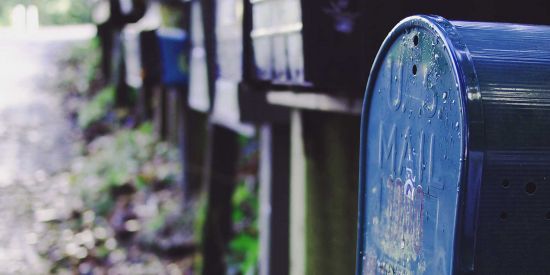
(193, 143)
(323, 205)
(274, 199)
(224, 153)
(332, 152)
(145, 103)
(159, 111)
(174, 114)
(105, 33)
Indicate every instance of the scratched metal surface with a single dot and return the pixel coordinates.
(454, 157)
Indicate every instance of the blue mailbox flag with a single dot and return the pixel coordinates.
(174, 45)
(455, 154)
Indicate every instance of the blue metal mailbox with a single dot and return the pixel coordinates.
(173, 45)
(455, 154)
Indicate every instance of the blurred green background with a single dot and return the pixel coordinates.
(52, 12)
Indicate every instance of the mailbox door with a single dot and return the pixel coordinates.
(412, 156)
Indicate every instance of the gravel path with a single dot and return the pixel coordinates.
(36, 142)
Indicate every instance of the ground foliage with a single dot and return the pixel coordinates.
(127, 215)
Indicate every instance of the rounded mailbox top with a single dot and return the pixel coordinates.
(413, 149)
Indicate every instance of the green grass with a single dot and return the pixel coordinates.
(97, 108)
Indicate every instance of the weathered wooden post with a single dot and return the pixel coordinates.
(223, 25)
(198, 106)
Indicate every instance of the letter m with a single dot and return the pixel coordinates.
(386, 147)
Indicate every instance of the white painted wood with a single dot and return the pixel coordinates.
(265, 197)
(315, 101)
(297, 197)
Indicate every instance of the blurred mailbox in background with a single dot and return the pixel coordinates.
(229, 65)
(455, 159)
(173, 45)
(309, 43)
(131, 37)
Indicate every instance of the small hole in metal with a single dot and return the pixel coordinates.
(415, 40)
(530, 188)
(414, 69)
(505, 183)
(503, 216)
